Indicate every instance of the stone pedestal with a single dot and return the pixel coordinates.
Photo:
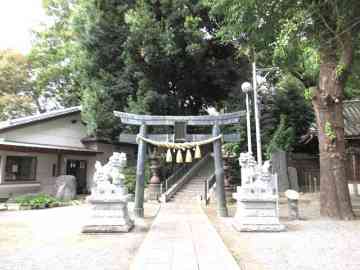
(228, 182)
(280, 167)
(293, 206)
(153, 192)
(293, 178)
(109, 199)
(229, 191)
(257, 198)
(154, 187)
(108, 216)
(257, 214)
(65, 187)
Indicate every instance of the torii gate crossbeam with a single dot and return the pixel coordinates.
(203, 120)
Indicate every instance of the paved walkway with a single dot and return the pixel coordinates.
(50, 239)
(182, 238)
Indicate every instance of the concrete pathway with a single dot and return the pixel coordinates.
(51, 239)
(182, 238)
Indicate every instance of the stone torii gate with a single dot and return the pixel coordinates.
(204, 120)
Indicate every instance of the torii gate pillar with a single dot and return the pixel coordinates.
(219, 174)
(166, 120)
(140, 175)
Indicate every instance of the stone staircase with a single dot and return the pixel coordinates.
(194, 188)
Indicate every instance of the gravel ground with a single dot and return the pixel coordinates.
(50, 239)
(310, 244)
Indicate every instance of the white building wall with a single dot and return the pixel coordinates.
(90, 169)
(45, 181)
(44, 178)
(64, 131)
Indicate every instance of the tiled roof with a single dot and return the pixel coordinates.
(45, 146)
(38, 117)
(352, 117)
(351, 112)
(36, 146)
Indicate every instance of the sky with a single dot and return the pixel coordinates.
(17, 18)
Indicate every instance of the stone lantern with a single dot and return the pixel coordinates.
(154, 188)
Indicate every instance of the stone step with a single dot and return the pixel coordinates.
(194, 200)
(199, 188)
(195, 183)
(191, 191)
(194, 188)
(187, 195)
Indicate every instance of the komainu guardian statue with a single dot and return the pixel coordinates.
(257, 198)
(109, 198)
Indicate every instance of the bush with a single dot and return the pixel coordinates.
(130, 179)
(282, 139)
(37, 201)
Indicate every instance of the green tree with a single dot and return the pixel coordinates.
(55, 56)
(14, 106)
(96, 110)
(289, 101)
(100, 34)
(282, 139)
(172, 54)
(331, 28)
(16, 89)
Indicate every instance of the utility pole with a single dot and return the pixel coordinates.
(257, 116)
(246, 88)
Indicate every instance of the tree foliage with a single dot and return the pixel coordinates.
(282, 139)
(289, 101)
(142, 56)
(291, 30)
(179, 66)
(16, 96)
(55, 57)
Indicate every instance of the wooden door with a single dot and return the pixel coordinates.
(77, 168)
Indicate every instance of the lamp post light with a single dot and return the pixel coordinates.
(246, 88)
(257, 117)
(260, 82)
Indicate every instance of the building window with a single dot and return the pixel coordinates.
(20, 168)
(54, 170)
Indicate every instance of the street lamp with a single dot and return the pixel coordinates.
(261, 82)
(246, 88)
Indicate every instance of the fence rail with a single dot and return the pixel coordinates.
(208, 184)
(169, 182)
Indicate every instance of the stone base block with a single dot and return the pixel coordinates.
(108, 228)
(257, 215)
(153, 192)
(108, 216)
(229, 192)
(354, 189)
(259, 227)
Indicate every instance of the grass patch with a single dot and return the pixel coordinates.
(38, 201)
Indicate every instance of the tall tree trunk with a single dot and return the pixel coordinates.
(334, 192)
(38, 105)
